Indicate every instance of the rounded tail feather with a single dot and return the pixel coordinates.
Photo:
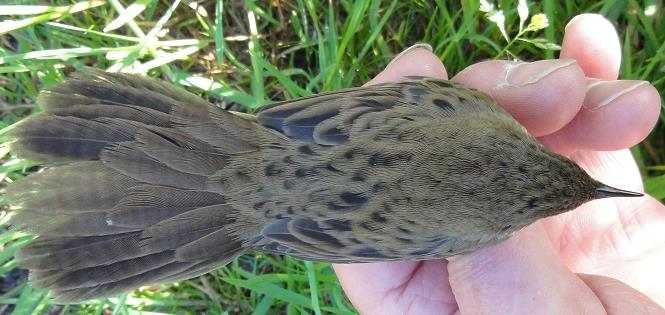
(125, 199)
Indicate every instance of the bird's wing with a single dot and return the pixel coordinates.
(329, 240)
(332, 241)
(333, 118)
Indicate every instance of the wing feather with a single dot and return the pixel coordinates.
(331, 118)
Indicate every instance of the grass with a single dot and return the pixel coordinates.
(243, 55)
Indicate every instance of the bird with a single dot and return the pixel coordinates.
(146, 183)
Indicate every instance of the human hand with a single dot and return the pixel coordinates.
(605, 256)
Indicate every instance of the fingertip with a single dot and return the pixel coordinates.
(616, 115)
(484, 75)
(543, 96)
(593, 41)
(417, 60)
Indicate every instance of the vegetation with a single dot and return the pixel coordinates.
(244, 54)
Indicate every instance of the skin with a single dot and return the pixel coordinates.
(604, 257)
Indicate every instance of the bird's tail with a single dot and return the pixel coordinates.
(126, 200)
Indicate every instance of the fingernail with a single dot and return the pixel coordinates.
(520, 74)
(601, 93)
(410, 49)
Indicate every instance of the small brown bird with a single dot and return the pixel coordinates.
(148, 183)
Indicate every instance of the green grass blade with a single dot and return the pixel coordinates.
(258, 89)
(52, 13)
(313, 287)
(272, 290)
(130, 13)
(263, 307)
(219, 32)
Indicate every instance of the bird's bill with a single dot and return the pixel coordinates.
(606, 191)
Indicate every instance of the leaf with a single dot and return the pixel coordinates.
(541, 43)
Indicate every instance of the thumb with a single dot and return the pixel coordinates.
(522, 275)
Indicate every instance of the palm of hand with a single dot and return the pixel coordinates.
(617, 238)
(621, 238)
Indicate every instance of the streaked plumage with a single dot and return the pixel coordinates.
(148, 183)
